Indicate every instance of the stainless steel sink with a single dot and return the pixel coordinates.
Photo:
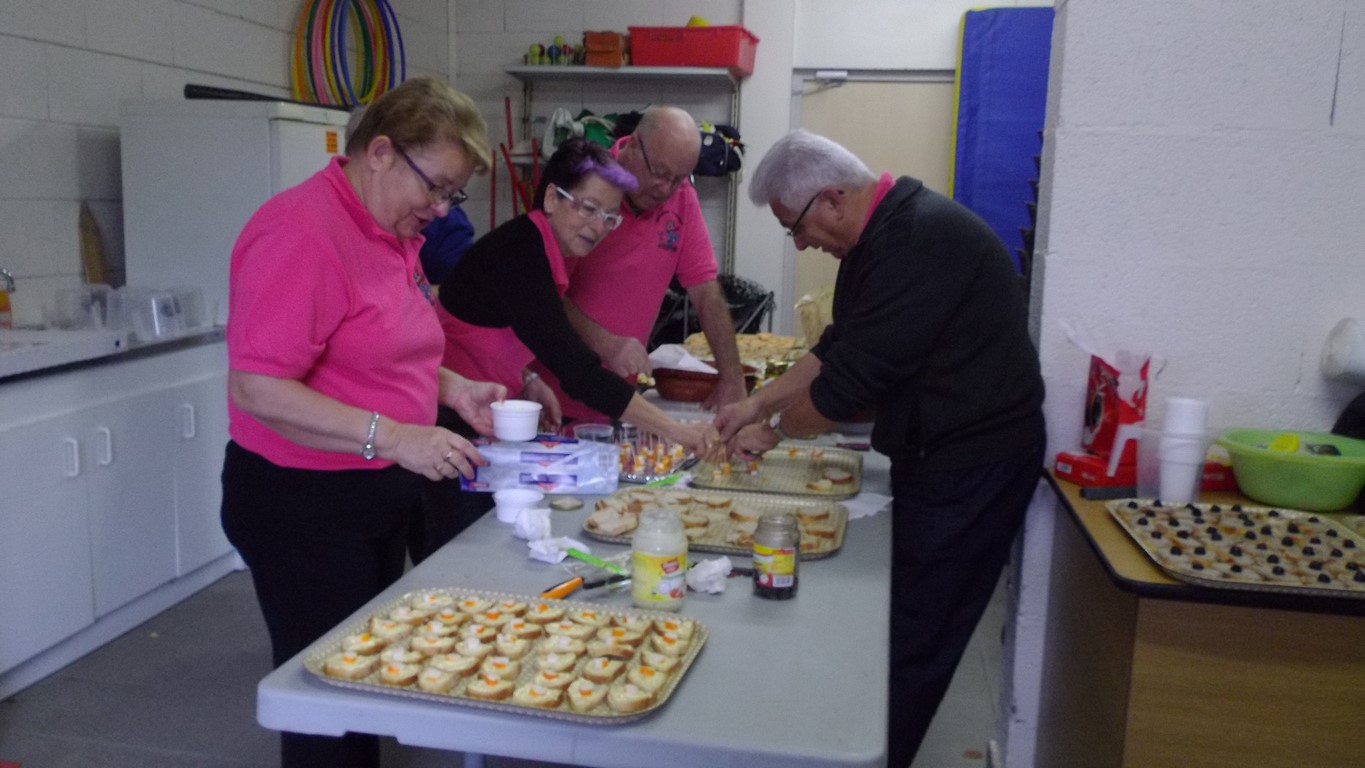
(22, 351)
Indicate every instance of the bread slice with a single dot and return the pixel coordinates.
(489, 688)
(436, 680)
(556, 662)
(369, 643)
(544, 613)
(454, 663)
(474, 648)
(838, 476)
(812, 514)
(629, 698)
(625, 635)
(647, 677)
(820, 530)
(561, 644)
(822, 485)
(603, 669)
(500, 666)
(611, 648)
(552, 679)
(590, 617)
(571, 629)
(511, 646)
(399, 675)
(683, 628)
(349, 665)
(661, 662)
(585, 695)
(668, 643)
(433, 645)
(524, 629)
(537, 695)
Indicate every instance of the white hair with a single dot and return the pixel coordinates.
(801, 164)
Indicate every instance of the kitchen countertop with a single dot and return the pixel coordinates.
(800, 682)
(127, 349)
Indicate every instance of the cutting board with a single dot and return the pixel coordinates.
(92, 248)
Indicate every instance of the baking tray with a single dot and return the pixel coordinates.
(1235, 546)
(721, 524)
(316, 656)
(787, 468)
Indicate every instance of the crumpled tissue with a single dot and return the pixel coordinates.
(552, 550)
(709, 575)
(676, 357)
(532, 523)
(866, 504)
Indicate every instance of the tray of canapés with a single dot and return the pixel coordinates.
(795, 468)
(1236, 546)
(510, 653)
(719, 522)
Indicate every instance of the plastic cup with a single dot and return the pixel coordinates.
(511, 501)
(1185, 415)
(515, 420)
(1170, 465)
(596, 433)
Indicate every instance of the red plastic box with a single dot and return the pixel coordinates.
(732, 47)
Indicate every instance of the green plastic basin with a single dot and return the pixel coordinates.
(1299, 480)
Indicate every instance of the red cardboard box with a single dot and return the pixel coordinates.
(1091, 471)
(725, 46)
(1108, 405)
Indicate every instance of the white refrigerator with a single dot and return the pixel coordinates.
(194, 170)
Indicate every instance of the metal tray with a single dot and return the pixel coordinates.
(720, 524)
(787, 468)
(316, 657)
(1243, 547)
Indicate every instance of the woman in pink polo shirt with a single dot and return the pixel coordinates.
(503, 303)
(335, 374)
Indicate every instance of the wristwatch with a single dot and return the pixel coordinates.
(367, 450)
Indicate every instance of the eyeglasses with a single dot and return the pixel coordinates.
(435, 193)
(672, 181)
(791, 231)
(587, 211)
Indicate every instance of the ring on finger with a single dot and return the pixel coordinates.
(449, 453)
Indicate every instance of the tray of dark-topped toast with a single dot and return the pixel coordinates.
(527, 655)
(1235, 546)
(720, 522)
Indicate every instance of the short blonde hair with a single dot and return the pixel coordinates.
(420, 112)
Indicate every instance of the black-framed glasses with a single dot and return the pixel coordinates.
(435, 193)
(791, 231)
(587, 211)
(672, 181)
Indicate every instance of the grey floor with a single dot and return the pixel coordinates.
(179, 691)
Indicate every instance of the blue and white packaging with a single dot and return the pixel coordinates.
(549, 464)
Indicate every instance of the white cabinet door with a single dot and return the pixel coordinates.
(201, 434)
(46, 592)
(131, 494)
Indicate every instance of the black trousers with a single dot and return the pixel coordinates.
(445, 510)
(320, 545)
(952, 532)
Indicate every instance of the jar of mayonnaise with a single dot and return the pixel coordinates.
(659, 561)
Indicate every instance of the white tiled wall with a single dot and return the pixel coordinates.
(68, 63)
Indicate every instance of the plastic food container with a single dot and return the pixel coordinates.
(720, 46)
(515, 420)
(1301, 479)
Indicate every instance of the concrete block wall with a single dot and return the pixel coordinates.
(1201, 201)
(68, 64)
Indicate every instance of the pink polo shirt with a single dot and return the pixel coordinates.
(322, 295)
(622, 282)
(496, 354)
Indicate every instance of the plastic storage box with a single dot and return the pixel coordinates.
(728, 46)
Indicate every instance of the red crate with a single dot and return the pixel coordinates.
(731, 47)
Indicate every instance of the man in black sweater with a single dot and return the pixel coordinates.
(929, 332)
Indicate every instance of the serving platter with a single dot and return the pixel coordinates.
(1235, 546)
(789, 468)
(721, 522)
(667, 634)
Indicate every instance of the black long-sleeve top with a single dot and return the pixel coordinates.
(504, 280)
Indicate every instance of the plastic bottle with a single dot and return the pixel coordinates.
(659, 561)
(777, 547)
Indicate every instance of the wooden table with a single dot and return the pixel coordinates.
(798, 683)
(1144, 670)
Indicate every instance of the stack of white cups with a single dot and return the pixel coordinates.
(1184, 442)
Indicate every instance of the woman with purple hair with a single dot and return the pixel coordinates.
(502, 301)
